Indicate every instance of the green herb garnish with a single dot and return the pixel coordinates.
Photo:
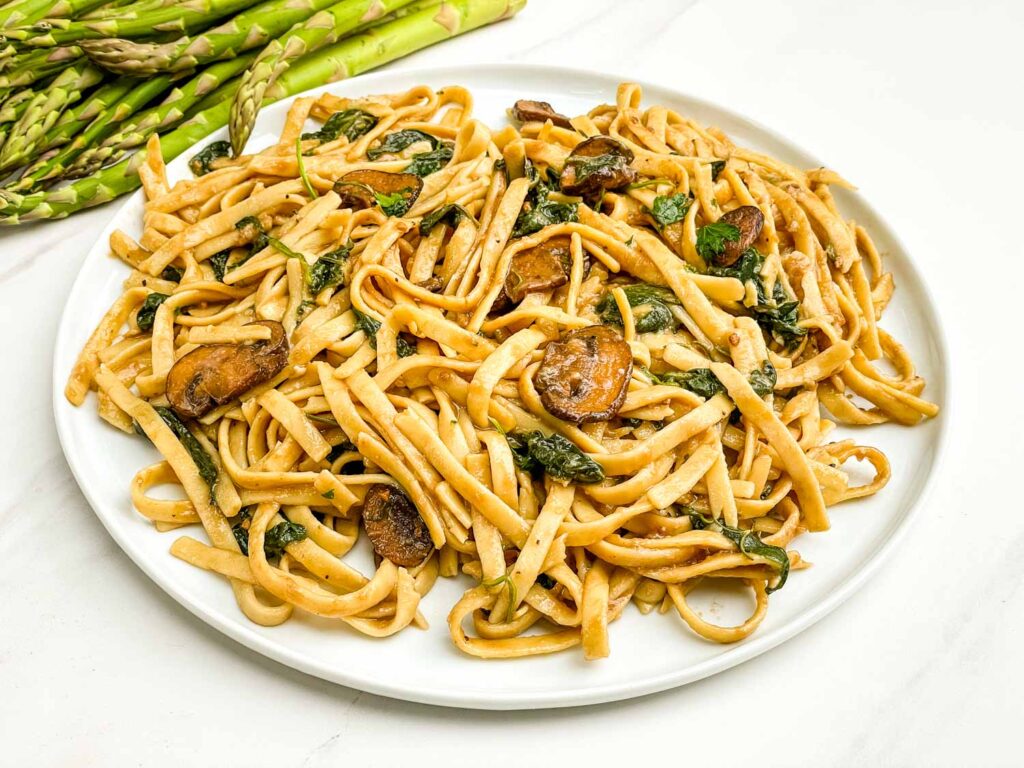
(395, 203)
(711, 239)
(669, 210)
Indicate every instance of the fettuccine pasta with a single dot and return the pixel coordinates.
(579, 362)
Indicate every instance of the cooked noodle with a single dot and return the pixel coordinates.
(701, 470)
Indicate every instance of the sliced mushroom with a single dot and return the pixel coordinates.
(540, 268)
(394, 192)
(596, 146)
(584, 376)
(526, 111)
(749, 220)
(597, 164)
(394, 526)
(215, 374)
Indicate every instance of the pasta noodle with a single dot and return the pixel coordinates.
(581, 362)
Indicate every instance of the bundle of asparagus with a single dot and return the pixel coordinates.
(85, 83)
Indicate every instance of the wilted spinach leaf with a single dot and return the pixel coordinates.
(207, 469)
(147, 312)
(173, 274)
(450, 213)
(536, 452)
(539, 211)
(329, 270)
(253, 229)
(350, 123)
(219, 264)
(395, 142)
(543, 213)
(369, 326)
(764, 378)
(777, 314)
(241, 528)
(652, 300)
(426, 163)
(274, 541)
(700, 381)
(200, 162)
(280, 536)
(746, 268)
(749, 544)
(716, 168)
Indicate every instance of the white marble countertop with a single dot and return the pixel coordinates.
(918, 102)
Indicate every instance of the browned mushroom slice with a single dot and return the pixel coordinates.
(597, 164)
(749, 220)
(596, 146)
(526, 111)
(214, 374)
(393, 192)
(394, 526)
(540, 268)
(584, 376)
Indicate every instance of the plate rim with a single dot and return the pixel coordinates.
(737, 654)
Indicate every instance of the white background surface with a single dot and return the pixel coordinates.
(916, 102)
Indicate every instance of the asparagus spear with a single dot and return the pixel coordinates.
(322, 29)
(134, 133)
(14, 106)
(251, 28)
(103, 124)
(110, 11)
(44, 109)
(23, 12)
(176, 18)
(78, 117)
(36, 65)
(345, 59)
(28, 11)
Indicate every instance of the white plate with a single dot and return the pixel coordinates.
(649, 653)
